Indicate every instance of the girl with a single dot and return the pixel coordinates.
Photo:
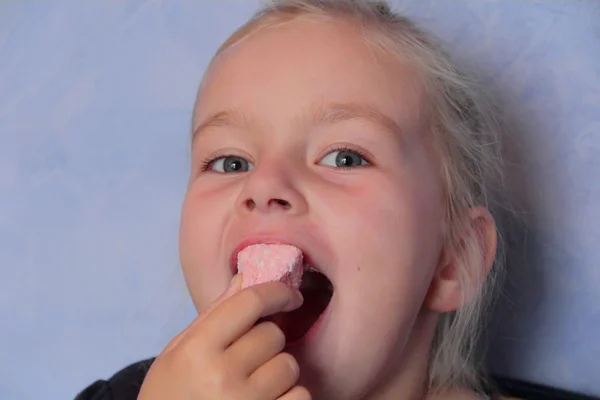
(339, 127)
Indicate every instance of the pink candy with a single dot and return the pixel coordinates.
(261, 263)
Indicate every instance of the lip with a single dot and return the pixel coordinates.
(269, 240)
(314, 330)
(303, 243)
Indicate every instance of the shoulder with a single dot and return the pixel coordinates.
(124, 385)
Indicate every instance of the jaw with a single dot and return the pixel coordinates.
(407, 370)
(348, 359)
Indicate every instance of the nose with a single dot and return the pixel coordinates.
(283, 204)
(271, 189)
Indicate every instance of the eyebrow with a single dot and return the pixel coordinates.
(322, 114)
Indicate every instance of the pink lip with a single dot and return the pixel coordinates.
(317, 326)
(313, 331)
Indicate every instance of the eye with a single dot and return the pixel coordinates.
(227, 164)
(344, 158)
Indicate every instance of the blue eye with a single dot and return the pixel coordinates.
(344, 158)
(227, 164)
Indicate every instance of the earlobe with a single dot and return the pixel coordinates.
(463, 268)
(446, 287)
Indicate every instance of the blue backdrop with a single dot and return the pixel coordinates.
(95, 103)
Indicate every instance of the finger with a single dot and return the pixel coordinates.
(297, 393)
(236, 315)
(259, 345)
(276, 377)
(234, 286)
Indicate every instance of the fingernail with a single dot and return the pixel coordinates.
(235, 283)
(296, 302)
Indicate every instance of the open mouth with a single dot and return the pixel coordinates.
(317, 291)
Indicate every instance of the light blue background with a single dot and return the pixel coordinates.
(95, 102)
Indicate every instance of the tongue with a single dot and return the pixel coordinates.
(270, 262)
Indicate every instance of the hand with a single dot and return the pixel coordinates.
(223, 355)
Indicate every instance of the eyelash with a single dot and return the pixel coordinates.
(207, 163)
(348, 149)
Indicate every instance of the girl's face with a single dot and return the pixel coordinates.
(318, 140)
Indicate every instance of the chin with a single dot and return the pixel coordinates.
(327, 369)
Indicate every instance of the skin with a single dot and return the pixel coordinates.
(374, 229)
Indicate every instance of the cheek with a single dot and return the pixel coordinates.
(387, 226)
(200, 248)
(197, 222)
(390, 243)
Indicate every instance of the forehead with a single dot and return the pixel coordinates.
(278, 72)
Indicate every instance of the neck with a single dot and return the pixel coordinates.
(408, 378)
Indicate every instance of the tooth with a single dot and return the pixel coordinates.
(308, 267)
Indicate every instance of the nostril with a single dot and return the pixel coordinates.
(281, 202)
(250, 204)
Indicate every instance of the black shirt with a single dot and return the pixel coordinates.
(124, 385)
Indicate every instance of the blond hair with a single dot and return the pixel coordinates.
(465, 137)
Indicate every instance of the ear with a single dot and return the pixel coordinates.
(463, 267)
